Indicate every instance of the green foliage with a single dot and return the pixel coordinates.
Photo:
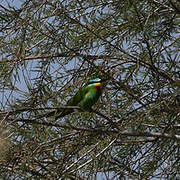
(48, 51)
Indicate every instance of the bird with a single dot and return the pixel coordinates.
(84, 98)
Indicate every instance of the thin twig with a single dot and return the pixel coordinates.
(101, 152)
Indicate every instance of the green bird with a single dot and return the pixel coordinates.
(85, 98)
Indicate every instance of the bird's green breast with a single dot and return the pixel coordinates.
(90, 98)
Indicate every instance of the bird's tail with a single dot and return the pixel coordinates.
(63, 113)
(50, 114)
(57, 113)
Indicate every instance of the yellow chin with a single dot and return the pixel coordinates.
(98, 84)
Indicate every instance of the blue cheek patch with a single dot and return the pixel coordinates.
(90, 85)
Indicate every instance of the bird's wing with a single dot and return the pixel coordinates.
(74, 101)
(80, 94)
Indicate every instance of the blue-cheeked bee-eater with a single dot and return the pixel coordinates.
(85, 98)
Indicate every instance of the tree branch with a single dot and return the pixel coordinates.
(122, 133)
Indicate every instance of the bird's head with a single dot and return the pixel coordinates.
(95, 82)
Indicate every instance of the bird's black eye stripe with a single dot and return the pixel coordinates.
(93, 82)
